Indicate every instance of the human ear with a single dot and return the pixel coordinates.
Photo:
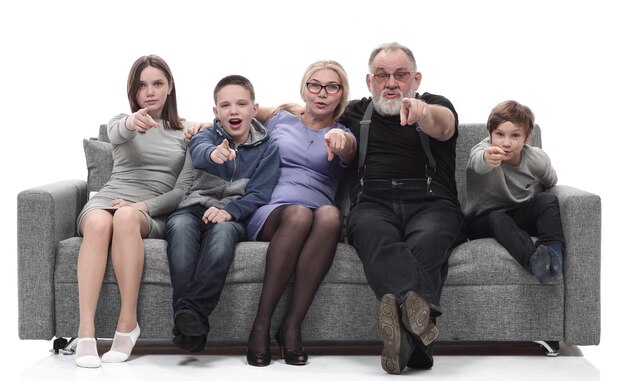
(418, 79)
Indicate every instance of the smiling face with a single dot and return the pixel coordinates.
(235, 110)
(153, 90)
(511, 138)
(402, 81)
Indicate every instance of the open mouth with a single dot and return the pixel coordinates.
(234, 122)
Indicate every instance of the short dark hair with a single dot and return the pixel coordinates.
(170, 109)
(234, 80)
(514, 112)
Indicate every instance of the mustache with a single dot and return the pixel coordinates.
(394, 92)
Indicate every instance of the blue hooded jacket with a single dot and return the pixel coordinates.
(239, 186)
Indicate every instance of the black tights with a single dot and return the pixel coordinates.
(302, 244)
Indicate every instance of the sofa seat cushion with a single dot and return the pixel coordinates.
(249, 264)
(484, 261)
(156, 267)
(247, 267)
(479, 262)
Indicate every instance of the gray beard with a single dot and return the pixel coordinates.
(387, 107)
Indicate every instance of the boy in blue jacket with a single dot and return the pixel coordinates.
(236, 170)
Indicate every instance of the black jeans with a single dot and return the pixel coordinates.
(513, 228)
(404, 237)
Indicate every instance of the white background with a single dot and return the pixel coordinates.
(64, 65)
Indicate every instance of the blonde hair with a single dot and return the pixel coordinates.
(343, 79)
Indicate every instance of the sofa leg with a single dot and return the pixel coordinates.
(64, 346)
(551, 348)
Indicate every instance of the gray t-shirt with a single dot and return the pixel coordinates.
(505, 186)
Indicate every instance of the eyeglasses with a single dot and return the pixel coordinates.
(331, 88)
(399, 76)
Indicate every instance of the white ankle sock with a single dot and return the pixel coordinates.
(86, 355)
(123, 344)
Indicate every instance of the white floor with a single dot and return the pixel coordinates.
(30, 360)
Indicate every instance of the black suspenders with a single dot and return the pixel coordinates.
(431, 166)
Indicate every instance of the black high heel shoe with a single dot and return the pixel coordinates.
(259, 358)
(291, 357)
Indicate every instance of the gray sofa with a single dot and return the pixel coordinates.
(487, 295)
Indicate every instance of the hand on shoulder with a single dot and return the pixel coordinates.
(193, 130)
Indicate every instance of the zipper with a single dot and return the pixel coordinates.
(235, 169)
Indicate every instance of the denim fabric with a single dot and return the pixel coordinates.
(199, 256)
(404, 237)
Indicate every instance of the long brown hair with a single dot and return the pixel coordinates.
(170, 109)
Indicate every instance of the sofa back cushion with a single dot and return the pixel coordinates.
(99, 159)
(103, 135)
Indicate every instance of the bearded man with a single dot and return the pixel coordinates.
(405, 217)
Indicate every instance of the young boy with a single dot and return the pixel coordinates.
(236, 169)
(506, 179)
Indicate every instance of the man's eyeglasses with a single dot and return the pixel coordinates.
(399, 76)
(331, 88)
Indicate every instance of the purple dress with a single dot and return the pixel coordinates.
(306, 176)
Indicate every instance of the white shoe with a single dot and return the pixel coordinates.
(123, 344)
(86, 355)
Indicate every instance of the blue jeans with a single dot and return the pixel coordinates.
(199, 256)
(404, 237)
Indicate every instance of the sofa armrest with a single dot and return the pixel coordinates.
(45, 216)
(581, 217)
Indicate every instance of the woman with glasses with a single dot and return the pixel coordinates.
(301, 223)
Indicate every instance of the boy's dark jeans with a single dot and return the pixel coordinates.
(513, 228)
(199, 256)
(404, 237)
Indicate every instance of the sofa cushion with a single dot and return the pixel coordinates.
(485, 261)
(99, 158)
(478, 262)
(248, 265)
(103, 134)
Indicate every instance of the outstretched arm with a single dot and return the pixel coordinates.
(435, 120)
